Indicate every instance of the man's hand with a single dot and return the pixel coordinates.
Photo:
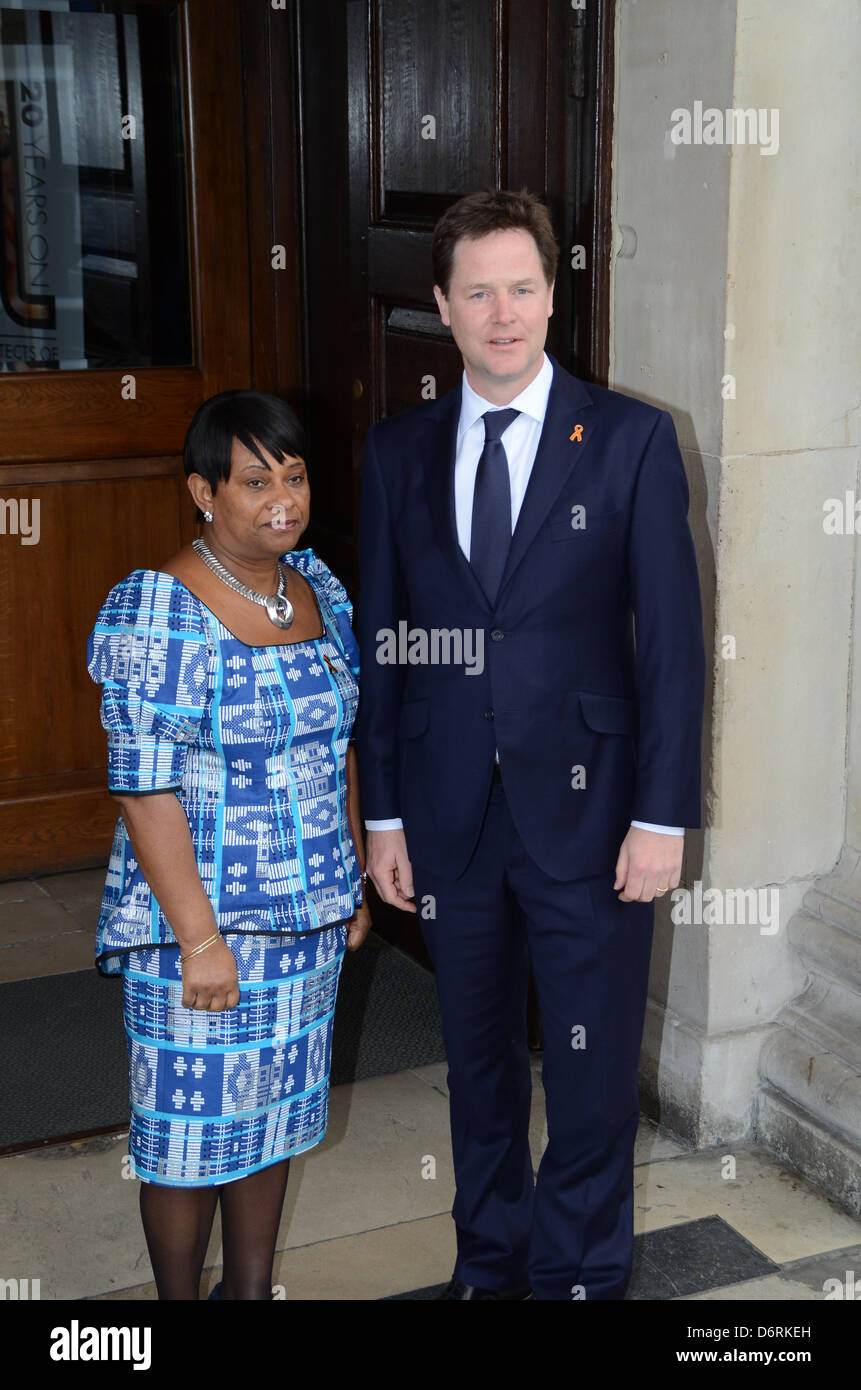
(649, 865)
(389, 867)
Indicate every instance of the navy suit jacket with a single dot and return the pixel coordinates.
(593, 728)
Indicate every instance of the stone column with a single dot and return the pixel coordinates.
(809, 1109)
(737, 300)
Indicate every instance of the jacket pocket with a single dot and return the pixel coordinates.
(609, 714)
(414, 718)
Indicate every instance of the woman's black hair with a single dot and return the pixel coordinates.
(256, 418)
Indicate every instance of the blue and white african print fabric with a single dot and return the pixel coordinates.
(252, 739)
(217, 1096)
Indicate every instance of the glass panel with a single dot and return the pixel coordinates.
(94, 267)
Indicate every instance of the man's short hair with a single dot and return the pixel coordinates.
(492, 210)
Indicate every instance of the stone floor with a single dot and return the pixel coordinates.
(367, 1210)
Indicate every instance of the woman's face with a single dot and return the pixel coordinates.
(261, 507)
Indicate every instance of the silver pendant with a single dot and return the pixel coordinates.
(279, 610)
(278, 607)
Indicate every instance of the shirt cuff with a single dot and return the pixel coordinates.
(659, 829)
(396, 824)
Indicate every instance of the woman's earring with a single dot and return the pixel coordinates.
(207, 516)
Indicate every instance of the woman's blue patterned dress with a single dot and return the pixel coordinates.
(253, 741)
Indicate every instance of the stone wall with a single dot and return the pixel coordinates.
(736, 306)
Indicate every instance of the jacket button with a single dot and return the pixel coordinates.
(497, 635)
(488, 714)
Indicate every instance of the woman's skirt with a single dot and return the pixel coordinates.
(216, 1096)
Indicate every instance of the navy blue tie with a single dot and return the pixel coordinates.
(491, 505)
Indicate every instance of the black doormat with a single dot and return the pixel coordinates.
(63, 1046)
(690, 1258)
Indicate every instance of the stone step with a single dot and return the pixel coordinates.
(842, 912)
(823, 1157)
(820, 1083)
(829, 1016)
(827, 947)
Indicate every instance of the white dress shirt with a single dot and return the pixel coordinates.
(520, 442)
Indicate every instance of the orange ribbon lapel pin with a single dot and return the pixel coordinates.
(577, 433)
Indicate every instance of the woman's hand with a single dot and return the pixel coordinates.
(161, 839)
(358, 927)
(210, 981)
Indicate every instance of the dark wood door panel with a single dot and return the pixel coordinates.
(443, 100)
(399, 264)
(416, 366)
(433, 139)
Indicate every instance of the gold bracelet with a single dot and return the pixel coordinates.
(202, 947)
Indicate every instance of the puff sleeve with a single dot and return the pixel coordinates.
(333, 595)
(148, 651)
(343, 611)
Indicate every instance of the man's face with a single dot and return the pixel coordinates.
(497, 308)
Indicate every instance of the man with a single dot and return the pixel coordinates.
(532, 803)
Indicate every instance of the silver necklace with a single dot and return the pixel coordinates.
(278, 607)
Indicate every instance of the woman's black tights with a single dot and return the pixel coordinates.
(177, 1224)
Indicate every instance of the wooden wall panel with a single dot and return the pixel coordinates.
(91, 535)
(107, 474)
(56, 831)
(82, 415)
(54, 811)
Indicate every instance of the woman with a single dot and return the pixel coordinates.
(235, 882)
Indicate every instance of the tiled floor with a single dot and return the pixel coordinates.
(47, 924)
(367, 1210)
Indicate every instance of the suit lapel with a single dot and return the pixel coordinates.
(439, 449)
(569, 408)
(569, 405)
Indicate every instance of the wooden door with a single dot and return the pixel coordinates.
(167, 323)
(406, 107)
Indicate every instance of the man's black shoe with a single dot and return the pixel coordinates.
(454, 1289)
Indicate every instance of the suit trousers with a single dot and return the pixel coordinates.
(567, 1232)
